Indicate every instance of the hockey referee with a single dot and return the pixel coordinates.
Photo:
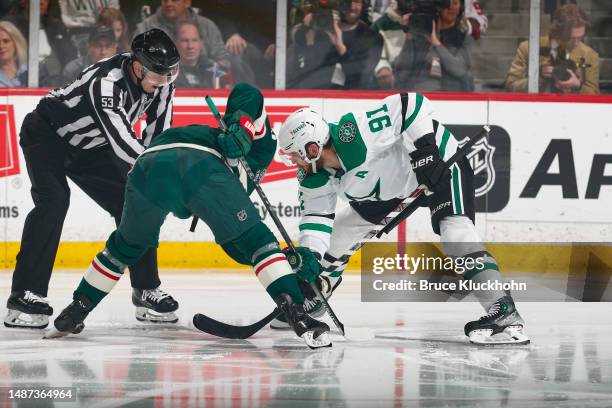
(84, 131)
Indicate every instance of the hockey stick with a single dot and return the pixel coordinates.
(220, 329)
(194, 223)
(228, 331)
(421, 197)
(275, 218)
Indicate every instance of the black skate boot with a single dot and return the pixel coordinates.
(27, 310)
(314, 333)
(154, 305)
(312, 305)
(502, 325)
(71, 319)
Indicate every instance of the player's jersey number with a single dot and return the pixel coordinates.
(378, 122)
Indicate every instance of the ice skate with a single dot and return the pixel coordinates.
(154, 305)
(312, 305)
(27, 310)
(314, 333)
(502, 325)
(70, 320)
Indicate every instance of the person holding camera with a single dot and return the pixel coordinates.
(435, 55)
(567, 64)
(393, 26)
(333, 48)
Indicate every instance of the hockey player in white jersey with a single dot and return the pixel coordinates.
(375, 160)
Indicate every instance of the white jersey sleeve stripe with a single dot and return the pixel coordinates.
(121, 138)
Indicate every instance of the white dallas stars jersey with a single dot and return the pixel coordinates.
(373, 148)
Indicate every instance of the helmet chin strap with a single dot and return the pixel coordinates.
(314, 161)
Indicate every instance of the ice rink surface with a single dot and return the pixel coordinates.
(419, 357)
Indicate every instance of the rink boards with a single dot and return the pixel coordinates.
(544, 175)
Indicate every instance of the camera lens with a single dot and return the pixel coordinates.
(560, 72)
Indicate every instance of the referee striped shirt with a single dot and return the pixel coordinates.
(101, 107)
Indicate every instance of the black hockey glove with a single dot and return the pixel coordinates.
(431, 172)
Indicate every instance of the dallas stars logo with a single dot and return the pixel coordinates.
(347, 132)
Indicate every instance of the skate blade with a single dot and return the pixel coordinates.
(15, 319)
(321, 341)
(512, 335)
(53, 333)
(147, 315)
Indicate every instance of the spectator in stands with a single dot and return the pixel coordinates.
(363, 46)
(567, 64)
(435, 58)
(84, 14)
(80, 17)
(312, 58)
(54, 51)
(196, 69)
(333, 49)
(248, 29)
(13, 56)
(115, 19)
(393, 26)
(173, 12)
(101, 44)
(376, 9)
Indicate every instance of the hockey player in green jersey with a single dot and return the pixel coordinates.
(375, 160)
(184, 172)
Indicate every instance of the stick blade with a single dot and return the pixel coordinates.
(216, 328)
(228, 331)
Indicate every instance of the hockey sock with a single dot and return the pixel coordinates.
(488, 272)
(260, 247)
(275, 274)
(334, 267)
(100, 278)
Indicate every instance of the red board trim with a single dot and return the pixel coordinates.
(436, 96)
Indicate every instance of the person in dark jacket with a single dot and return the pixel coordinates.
(334, 49)
(435, 58)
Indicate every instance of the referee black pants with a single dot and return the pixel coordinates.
(98, 172)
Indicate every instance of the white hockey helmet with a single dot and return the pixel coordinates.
(302, 128)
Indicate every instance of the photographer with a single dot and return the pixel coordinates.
(567, 65)
(393, 25)
(333, 49)
(434, 56)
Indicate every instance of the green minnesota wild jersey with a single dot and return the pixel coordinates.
(245, 98)
(373, 148)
